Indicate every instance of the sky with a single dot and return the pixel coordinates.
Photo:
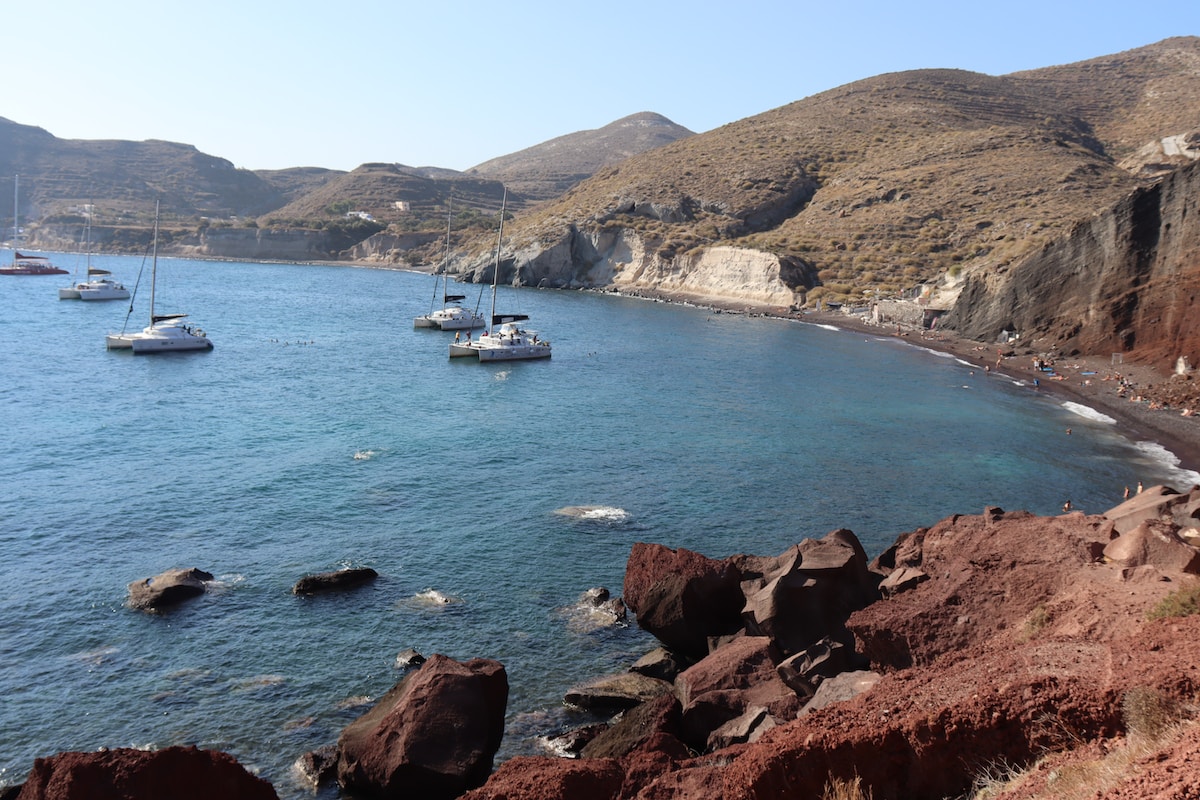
(447, 83)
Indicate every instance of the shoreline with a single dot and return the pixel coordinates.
(1090, 381)
(1087, 380)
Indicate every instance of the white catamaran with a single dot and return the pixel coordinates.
(166, 332)
(508, 342)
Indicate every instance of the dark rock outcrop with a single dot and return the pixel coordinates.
(167, 589)
(433, 735)
(615, 692)
(181, 773)
(334, 581)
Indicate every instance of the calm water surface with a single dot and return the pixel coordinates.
(323, 431)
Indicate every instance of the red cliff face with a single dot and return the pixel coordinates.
(1125, 281)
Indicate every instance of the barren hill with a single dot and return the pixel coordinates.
(889, 185)
(124, 179)
(546, 170)
(889, 181)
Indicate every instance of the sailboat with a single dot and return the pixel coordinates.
(23, 264)
(448, 317)
(509, 342)
(166, 332)
(96, 287)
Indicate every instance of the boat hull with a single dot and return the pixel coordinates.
(68, 293)
(160, 338)
(520, 352)
(464, 350)
(464, 323)
(104, 293)
(31, 271)
(424, 322)
(168, 344)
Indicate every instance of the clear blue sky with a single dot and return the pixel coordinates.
(448, 83)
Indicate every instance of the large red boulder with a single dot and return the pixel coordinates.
(1156, 503)
(728, 683)
(433, 735)
(807, 593)
(682, 597)
(181, 773)
(1155, 543)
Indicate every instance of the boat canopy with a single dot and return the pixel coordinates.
(500, 319)
(167, 317)
(453, 298)
(32, 258)
(99, 272)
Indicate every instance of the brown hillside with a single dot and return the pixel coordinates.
(124, 179)
(377, 188)
(895, 180)
(546, 170)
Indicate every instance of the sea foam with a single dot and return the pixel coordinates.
(1088, 413)
(597, 513)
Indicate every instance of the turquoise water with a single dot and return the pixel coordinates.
(323, 430)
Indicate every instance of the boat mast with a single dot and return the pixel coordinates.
(154, 264)
(496, 267)
(446, 257)
(16, 226)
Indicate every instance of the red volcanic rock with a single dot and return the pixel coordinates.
(538, 777)
(806, 594)
(1021, 646)
(732, 680)
(682, 597)
(657, 717)
(1155, 503)
(433, 735)
(1155, 543)
(181, 773)
(988, 573)
(167, 589)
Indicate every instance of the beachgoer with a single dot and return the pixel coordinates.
(1139, 489)
(1066, 506)
(1068, 431)
(1126, 492)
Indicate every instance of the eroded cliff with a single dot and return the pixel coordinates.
(621, 259)
(1124, 281)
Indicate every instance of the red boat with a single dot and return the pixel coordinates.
(31, 265)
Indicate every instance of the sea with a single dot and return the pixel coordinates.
(324, 431)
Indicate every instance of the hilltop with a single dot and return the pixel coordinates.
(122, 180)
